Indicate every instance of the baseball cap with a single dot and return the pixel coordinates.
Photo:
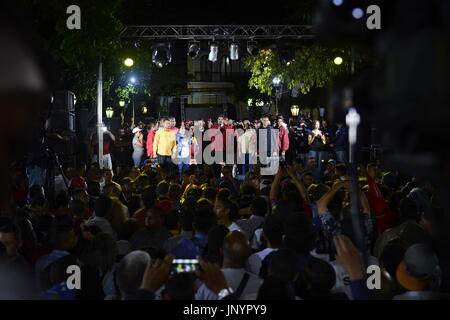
(332, 162)
(136, 130)
(414, 273)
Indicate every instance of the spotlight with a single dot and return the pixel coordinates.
(276, 81)
(338, 2)
(193, 49)
(213, 51)
(234, 51)
(161, 55)
(252, 48)
(133, 80)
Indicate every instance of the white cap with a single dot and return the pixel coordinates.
(136, 130)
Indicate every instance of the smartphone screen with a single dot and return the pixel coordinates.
(184, 265)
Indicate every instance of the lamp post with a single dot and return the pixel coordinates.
(109, 112)
(100, 115)
(132, 81)
(277, 83)
(295, 110)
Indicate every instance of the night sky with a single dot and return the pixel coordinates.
(213, 12)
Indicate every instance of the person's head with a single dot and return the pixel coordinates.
(300, 235)
(130, 272)
(163, 189)
(173, 122)
(308, 179)
(372, 170)
(227, 171)
(273, 230)
(236, 250)
(312, 162)
(280, 120)
(274, 289)
(318, 277)
(166, 123)
(226, 211)
(103, 252)
(391, 257)
(265, 121)
(259, 207)
(107, 174)
(415, 272)
(155, 218)
(339, 124)
(214, 248)
(331, 166)
(142, 182)
(324, 123)
(180, 287)
(210, 193)
(282, 265)
(220, 119)
(188, 204)
(102, 207)
(62, 237)
(223, 194)
(408, 210)
(341, 169)
(298, 165)
(175, 192)
(316, 191)
(135, 172)
(149, 197)
(203, 221)
(113, 189)
(11, 237)
(316, 125)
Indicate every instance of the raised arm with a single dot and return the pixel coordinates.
(322, 203)
(300, 187)
(276, 185)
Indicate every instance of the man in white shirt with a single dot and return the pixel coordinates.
(273, 233)
(236, 251)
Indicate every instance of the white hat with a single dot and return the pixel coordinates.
(136, 130)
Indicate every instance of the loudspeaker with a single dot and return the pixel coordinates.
(62, 122)
(64, 101)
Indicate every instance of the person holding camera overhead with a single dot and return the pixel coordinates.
(318, 143)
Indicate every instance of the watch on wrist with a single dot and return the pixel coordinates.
(225, 292)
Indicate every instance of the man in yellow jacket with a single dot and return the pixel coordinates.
(164, 144)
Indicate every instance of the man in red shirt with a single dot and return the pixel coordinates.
(218, 146)
(150, 137)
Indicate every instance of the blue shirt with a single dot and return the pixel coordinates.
(190, 248)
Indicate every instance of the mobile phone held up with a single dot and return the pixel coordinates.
(184, 266)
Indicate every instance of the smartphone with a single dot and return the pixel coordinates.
(184, 266)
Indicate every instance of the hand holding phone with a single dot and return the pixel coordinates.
(184, 266)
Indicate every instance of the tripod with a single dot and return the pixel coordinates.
(51, 160)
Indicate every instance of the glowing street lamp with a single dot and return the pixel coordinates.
(144, 110)
(122, 103)
(295, 110)
(338, 61)
(276, 81)
(128, 62)
(109, 112)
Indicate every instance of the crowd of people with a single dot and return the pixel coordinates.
(161, 141)
(287, 236)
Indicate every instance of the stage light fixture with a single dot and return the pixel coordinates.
(193, 49)
(213, 51)
(252, 48)
(234, 51)
(161, 55)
